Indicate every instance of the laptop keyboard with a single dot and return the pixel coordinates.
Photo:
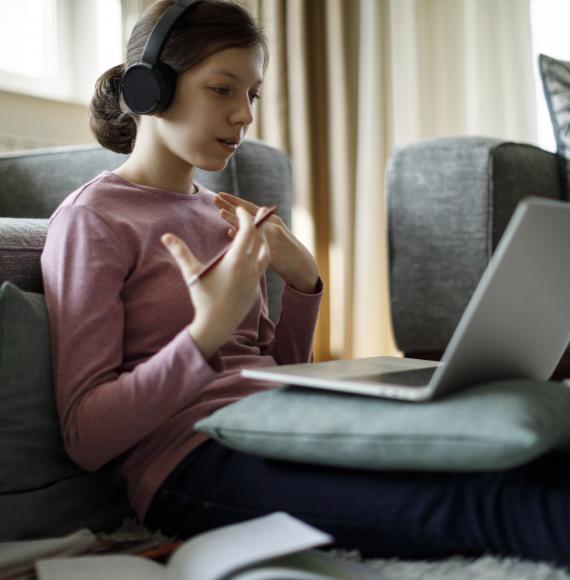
(410, 378)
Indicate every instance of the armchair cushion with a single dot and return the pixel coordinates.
(492, 426)
(41, 490)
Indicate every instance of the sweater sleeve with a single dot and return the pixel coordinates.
(291, 340)
(104, 412)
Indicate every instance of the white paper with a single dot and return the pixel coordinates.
(214, 555)
(308, 565)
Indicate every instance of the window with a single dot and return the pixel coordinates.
(57, 48)
(34, 49)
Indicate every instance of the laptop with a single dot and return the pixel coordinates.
(516, 325)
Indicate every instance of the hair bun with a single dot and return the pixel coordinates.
(113, 128)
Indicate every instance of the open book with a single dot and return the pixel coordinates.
(272, 547)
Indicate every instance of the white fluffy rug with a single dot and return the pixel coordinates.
(456, 568)
(486, 568)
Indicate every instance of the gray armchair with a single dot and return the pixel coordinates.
(449, 202)
(42, 493)
(33, 183)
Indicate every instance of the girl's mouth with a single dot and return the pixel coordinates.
(229, 145)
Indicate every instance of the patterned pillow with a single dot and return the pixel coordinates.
(555, 76)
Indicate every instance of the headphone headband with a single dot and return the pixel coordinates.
(159, 34)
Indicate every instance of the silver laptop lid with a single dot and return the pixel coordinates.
(517, 322)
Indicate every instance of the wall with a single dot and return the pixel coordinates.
(30, 122)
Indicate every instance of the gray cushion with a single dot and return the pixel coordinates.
(555, 76)
(41, 490)
(488, 427)
(33, 183)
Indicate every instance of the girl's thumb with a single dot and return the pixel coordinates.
(185, 259)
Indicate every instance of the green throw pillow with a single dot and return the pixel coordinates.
(42, 492)
(494, 426)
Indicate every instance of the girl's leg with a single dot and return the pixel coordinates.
(523, 511)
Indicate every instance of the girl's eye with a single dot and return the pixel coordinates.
(221, 90)
(226, 91)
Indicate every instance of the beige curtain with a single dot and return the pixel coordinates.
(350, 79)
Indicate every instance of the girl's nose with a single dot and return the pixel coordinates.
(244, 113)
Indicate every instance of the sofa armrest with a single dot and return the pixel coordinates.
(21, 245)
(449, 203)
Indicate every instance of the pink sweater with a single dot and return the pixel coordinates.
(130, 382)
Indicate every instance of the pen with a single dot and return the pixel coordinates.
(209, 265)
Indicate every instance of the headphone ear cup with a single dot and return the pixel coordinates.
(148, 89)
(167, 85)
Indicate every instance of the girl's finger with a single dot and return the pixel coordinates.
(259, 236)
(224, 204)
(238, 201)
(264, 256)
(245, 232)
(256, 242)
(184, 258)
(230, 217)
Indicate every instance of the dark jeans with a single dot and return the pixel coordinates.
(523, 511)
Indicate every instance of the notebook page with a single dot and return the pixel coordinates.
(308, 565)
(214, 555)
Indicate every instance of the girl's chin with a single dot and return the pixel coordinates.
(213, 164)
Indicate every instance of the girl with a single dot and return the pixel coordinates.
(140, 357)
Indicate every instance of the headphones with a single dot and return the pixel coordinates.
(148, 86)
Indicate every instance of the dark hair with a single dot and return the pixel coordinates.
(209, 27)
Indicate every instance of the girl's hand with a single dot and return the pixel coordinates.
(289, 258)
(224, 295)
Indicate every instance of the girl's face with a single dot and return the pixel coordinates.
(212, 108)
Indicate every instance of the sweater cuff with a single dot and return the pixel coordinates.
(318, 291)
(293, 300)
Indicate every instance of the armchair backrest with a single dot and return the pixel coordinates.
(33, 183)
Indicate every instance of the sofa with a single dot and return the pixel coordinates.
(43, 493)
(450, 200)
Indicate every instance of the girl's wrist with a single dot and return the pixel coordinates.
(203, 339)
